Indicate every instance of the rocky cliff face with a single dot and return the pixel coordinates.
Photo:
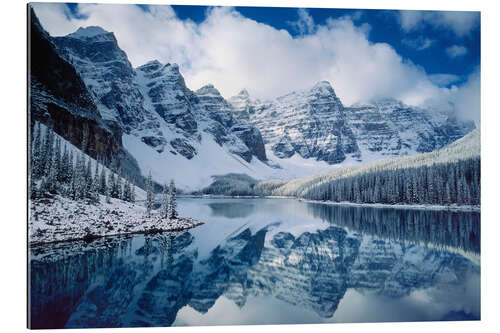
(106, 72)
(389, 127)
(152, 102)
(60, 98)
(314, 124)
(310, 123)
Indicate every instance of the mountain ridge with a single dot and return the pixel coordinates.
(156, 117)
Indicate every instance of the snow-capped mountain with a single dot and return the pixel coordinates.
(58, 96)
(150, 120)
(314, 124)
(310, 123)
(391, 128)
(164, 123)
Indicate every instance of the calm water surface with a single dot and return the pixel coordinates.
(266, 261)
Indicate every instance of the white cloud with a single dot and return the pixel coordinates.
(442, 80)
(305, 23)
(467, 98)
(456, 51)
(420, 43)
(461, 23)
(234, 52)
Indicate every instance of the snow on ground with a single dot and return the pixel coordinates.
(212, 159)
(62, 219)
(196, 173)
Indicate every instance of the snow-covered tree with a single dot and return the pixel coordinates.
(172, 203)
(164, 203)
(36, 152)
(94, 189)
(119, 188)
(149, 194)
(132, 193)
(102, 182)
(111, 184)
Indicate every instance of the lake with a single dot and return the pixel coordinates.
(266, 261)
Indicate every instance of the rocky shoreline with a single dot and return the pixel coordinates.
(455, 208)
(59, 219)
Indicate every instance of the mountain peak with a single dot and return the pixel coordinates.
(208, 89)
(88, 32)
(150, 66)
(244, 93)
(323, 87)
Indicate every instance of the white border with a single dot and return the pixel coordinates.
(13, 163)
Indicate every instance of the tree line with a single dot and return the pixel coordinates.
(57, 169)
(456, 182)
(168, 208)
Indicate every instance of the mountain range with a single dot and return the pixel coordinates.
(150, 121)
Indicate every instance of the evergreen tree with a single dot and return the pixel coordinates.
(56, 162)
(149, 194)
(47, 152)
(164, 203)
(102, 182)
(107, 194)
(51, 179)
(36, 153)
(111, 183)
(62, 175)
(119, 189)
(132, 193)
(94, 190)
(72, 187)
(172, 204)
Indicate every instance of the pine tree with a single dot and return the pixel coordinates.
(88, 177)
(51, 178)
(63, 167)
(102, 182)
(36, 157)
(164, 203)
(119, 191)
(73, 185)
(172, 204)
(132, 193)
(46, 159)
(111, 183)
(149, 194)
(56, 162)
(107, 194)
(94, 190)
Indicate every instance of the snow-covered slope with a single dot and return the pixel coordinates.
(165, 125)
(467, 147)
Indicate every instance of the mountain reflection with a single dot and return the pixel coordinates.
(146, 280)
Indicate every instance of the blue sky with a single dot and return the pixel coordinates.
(385, 27)
(416, 56)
